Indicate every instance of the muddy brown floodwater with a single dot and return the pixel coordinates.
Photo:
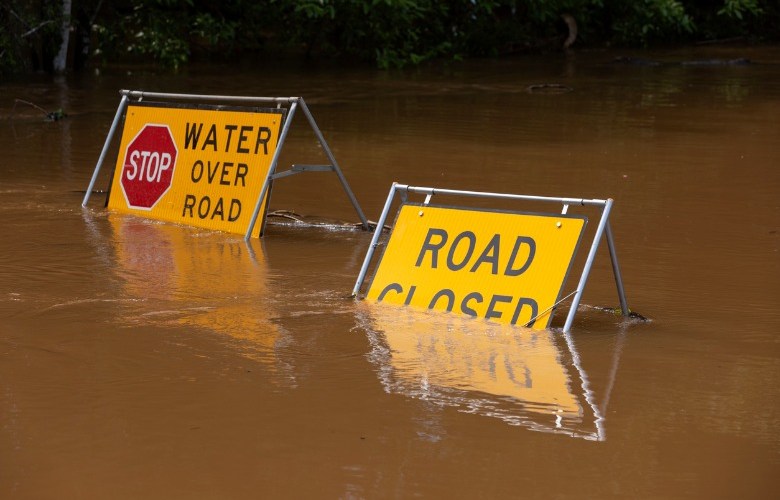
(147, 360)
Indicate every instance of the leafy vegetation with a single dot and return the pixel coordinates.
(387, 33)
(29, 35)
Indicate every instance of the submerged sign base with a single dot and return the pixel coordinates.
(507, 267)
(194, 160)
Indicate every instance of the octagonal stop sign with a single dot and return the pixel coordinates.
(148, 166)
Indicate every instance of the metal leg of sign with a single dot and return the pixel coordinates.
(588, 264)
(616, 271)
(272, 170)
(333, 162)
(374, 240)
(119, 111)
(268, 195)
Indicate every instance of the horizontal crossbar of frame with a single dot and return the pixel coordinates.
(139, 94)
(505, 196)
(299, 169)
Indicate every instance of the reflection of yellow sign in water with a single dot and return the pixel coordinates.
(521, 376)
(174, 277)
(505, 267)
(202, 167)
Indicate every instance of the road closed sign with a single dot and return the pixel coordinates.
(501, 266)
(198, 166)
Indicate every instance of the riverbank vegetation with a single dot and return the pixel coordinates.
(60, 35)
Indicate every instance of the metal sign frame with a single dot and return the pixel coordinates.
(603, 230)
(129, 96)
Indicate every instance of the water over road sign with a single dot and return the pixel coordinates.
(199, 165)
(208, 161)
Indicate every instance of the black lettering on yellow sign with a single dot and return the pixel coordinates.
(495, 310)
(230, 173)
(206, 208)
(234, 139)
(437, 239)
(504, 267)
(225, 173)
(463, 252)
(246, 138)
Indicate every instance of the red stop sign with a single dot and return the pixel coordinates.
(148, 166)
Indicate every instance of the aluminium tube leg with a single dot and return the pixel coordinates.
(271, 170)
(109, 138)
(616, 271)
(374, 240)
(588, 264)
(336, 167)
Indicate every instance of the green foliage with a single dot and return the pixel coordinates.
(165, 32)
(154, 35)
(212, 31)
(734, 18)
(29, 34)
(737, 9)
(651, 21)
(386, 33)
(391, 33)
(9, 62)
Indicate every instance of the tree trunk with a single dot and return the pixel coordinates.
(61, 59)
(572, 25)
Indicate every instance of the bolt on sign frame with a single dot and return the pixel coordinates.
(603, 230)
(290, 104)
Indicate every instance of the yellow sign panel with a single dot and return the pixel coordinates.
(501, 266)
(202, 167)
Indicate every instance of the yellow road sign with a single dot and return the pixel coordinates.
(199, 166)
(501, 266)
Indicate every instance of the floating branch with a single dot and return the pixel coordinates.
(548, 88)
(51, 116)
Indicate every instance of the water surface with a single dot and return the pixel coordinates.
(140, 359)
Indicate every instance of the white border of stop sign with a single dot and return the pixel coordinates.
(144, 171)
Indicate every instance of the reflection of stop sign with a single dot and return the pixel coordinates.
(148, 167)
